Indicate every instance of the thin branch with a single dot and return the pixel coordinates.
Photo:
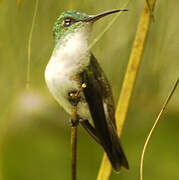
(74, 143)
(129, 81)
(154, 125)
(75, 97)
(29, 45)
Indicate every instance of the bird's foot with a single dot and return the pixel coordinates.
(73, 98)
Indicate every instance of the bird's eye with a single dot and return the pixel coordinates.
(67, 22)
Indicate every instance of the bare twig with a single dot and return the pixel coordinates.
(74, 143)
(75, 99)
(153, 127)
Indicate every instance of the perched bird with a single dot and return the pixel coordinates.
(73, 65)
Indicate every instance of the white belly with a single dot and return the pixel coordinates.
(59, 83)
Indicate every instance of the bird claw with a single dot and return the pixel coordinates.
(73, 98)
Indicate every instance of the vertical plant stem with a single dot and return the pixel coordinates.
(29, 45)
(75, 98)
(129, 81)
(133, 66)
(154, 125)
(74, 143)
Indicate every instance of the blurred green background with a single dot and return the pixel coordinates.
(34, 130)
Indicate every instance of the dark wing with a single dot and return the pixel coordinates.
(98, 94)
(105, 90)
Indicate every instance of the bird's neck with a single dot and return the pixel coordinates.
(72, 51)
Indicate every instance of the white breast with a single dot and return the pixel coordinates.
(66, 60)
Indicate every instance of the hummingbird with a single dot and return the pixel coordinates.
(72, 65)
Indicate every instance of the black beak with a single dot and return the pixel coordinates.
(99, 16)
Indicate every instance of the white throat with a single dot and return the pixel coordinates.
(72, 51)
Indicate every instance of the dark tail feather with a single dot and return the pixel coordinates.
(116, 154)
